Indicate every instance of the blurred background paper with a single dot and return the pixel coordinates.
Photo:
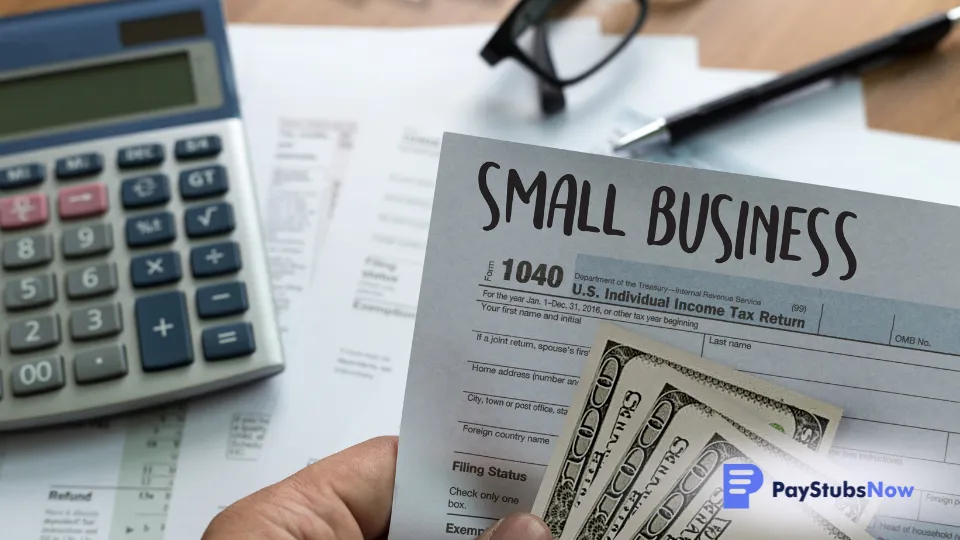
(382, 209)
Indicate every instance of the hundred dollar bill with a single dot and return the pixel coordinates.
(654, 447)
(693, 506)
(599, 409)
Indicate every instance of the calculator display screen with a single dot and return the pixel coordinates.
(96, 93)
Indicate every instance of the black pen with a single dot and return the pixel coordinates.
(919, 36)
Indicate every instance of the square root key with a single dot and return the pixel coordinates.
(209, 220)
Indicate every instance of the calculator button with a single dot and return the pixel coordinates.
(37, 376)
(162, 325)
(229, 341)
(100, 364)
(34, 333)
(205, 182)
(155, 269)
(20, 176)
(79, 165)
(83, 201)
(142, 155)
(198, 147)
(20, 211)
(95, 322)
(90, 281)
(209, 220)
(143, 191)
(221, 300)
(151, 230)
(29, 292)
(88, 240)
(215, 259)
(27, 251)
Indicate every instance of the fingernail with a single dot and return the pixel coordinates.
(522, 527)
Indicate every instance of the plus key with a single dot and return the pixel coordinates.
(22, 211)
(163, 328)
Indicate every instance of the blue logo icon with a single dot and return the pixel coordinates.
(739, 481)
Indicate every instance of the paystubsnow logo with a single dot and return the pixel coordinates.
(741, 480)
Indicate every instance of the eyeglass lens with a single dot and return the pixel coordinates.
(573, 52)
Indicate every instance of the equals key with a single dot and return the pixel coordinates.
(230, 341)
(222, 300)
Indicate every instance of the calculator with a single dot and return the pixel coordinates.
(132, 266)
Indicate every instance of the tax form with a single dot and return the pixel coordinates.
(102, 480)
(845, 296)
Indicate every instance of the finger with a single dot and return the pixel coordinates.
(346, 496)
(517, 527)
(362, 477)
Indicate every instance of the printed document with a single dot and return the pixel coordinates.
(843, 296)
(310, 151)
(301, 166)
(104, 480)
(378, 235)
(378, 241)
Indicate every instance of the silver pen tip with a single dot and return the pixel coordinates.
(653, 133)
(954, 14)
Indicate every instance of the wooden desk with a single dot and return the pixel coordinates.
(919, 95)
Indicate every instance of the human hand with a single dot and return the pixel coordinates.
(346, 496)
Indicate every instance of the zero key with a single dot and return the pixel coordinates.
(164, 331)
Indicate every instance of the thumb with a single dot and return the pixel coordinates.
(517, 527)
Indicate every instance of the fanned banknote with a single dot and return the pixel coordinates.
(677, 417)
(693, 506)
(601, 408)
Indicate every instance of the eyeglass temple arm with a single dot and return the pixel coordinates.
(552, 99)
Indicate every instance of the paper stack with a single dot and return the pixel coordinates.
(659, 443)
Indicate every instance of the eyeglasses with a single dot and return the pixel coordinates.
(551, 77)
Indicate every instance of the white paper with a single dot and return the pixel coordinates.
(377, 241)
(371, 275)
(477, 287)
(301, 163)
(299, 77)
(102, 480)
(301, 130)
